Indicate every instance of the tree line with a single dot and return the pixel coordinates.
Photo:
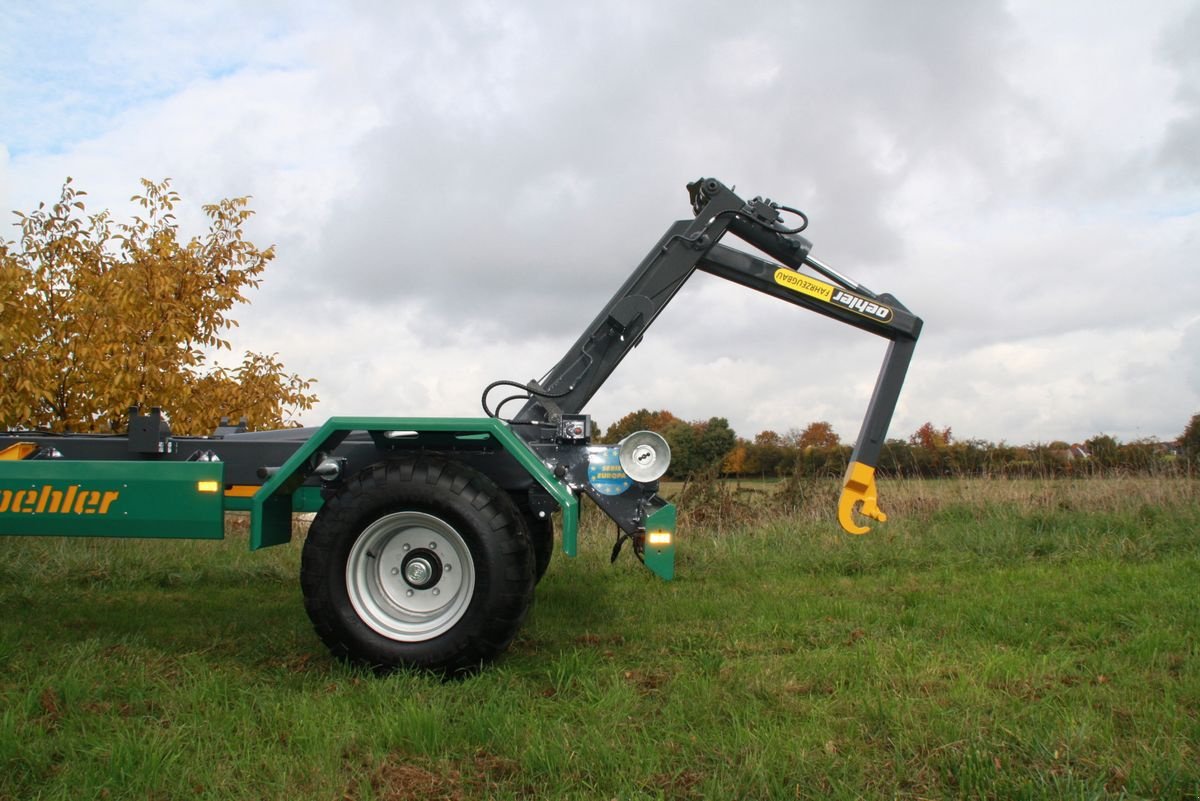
(929, 452)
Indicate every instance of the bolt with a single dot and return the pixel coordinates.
(418, 571)
(433, 546)
(409, 594)
(395, 571)
(406, 546)
(436, 591)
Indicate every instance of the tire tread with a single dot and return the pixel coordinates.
(481, 512)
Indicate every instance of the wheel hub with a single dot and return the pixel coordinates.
(422, 569)
(410, 576)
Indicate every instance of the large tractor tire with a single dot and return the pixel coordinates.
(420, 562)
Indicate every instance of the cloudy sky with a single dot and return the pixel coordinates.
(455, 189)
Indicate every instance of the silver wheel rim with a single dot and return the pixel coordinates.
(410, 576)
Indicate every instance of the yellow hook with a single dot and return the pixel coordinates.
(859, 487)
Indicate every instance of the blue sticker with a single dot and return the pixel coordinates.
(605, 472)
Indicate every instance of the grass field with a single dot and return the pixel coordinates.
(1009, 639)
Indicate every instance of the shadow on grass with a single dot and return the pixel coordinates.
(259, 626)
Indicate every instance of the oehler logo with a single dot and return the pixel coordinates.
(867, 308)
(807, 285)
(46, 499)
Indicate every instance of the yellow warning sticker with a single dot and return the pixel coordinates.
(798, 282)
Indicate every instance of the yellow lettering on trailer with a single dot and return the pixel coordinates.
(43, 498)
(107, 501)
(86, 505)
(50, 500)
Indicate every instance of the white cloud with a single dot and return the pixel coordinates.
(456, 190)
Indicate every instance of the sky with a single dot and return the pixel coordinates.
(454, 191)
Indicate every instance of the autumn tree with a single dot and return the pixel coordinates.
(930, 438)
(737, 461)
(641, 420)
(696, 445)
(96, 316)
(818, 435)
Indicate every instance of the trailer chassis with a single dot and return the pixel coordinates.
(431, 533)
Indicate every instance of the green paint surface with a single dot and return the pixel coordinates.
(111, 499)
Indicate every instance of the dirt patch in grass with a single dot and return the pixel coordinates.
(51, 704)
(598, 640)
(407, 782)
(646, 682)
(400, 777)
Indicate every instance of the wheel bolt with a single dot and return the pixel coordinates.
(436, 591)
(395, 571)
(433, 546)
(419, 572)
(408, 594)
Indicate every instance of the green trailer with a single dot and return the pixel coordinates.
(430, 534)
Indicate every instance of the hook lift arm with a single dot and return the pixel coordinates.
(798, 279)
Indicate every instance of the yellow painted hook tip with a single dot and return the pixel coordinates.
(859, 490)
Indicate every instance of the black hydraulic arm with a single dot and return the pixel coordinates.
(798, 279)
(619, 326)
(882, 315)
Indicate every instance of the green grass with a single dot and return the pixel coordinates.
(994, 640)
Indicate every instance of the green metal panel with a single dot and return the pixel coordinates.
(178, 500)
(304, 499)
(271, 506)
(661, 558)
(307, 499)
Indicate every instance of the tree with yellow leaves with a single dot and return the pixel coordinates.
(96, 316)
